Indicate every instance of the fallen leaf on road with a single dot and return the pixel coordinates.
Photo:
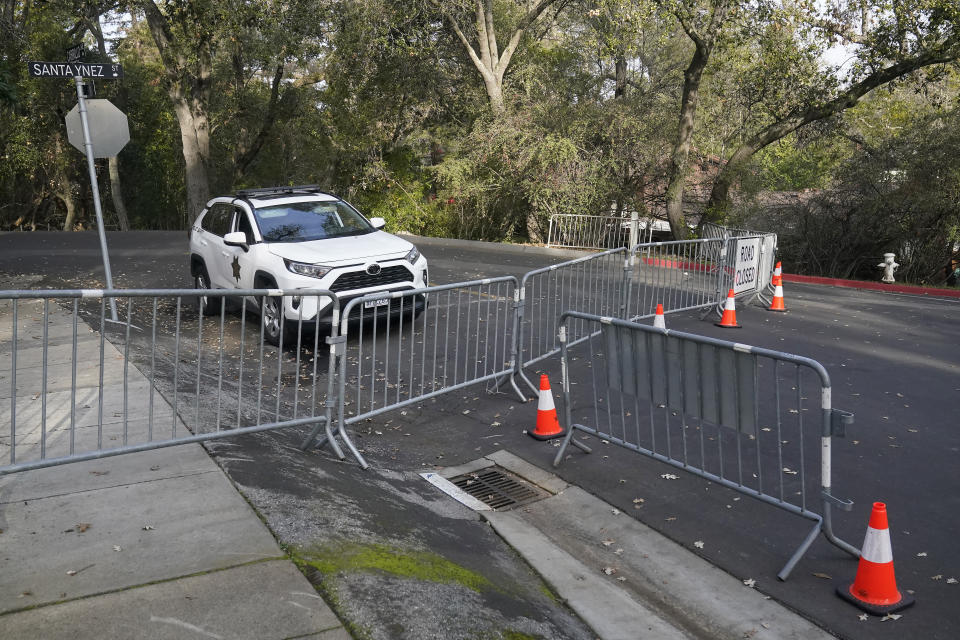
(71, 572)
(863, 617)
(790, 471)
(117, 548)
(922, 554)
(951, 581)
(891, 616)
(939, 576)
(609, 571)
(668, 476)
(615, 512)
(750, 582)
(621, 579)
(698, 544)
(824, 576)
(606, 542)
(82, 526)
(147, 527)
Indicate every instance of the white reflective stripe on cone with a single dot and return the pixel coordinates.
(730, 305)
(546, 401)
(876, 546)
(778, 292)
(659, 322)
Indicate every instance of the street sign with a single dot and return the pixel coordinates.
(109, 131)
(745, 266)
(101, 70)
(75, 53)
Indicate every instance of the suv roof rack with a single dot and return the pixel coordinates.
(279, 191)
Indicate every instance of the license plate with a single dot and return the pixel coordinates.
(380, 302)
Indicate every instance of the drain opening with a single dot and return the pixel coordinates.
(497, 489)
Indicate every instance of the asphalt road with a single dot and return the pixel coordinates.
(893, 360)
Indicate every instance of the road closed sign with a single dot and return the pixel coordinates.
(746, 270)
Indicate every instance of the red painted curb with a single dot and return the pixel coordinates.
(873, 286)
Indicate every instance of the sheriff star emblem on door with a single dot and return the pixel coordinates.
(236, 268)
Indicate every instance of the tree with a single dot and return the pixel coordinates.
(186, 37)
(890, 45)
(481, 42)
(702, 24)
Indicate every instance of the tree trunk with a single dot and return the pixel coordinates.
(620, 77)
(189, 90)
(195, 143)
(115, 193)
(63, 187)
(494, 95)
(703, 46)
(681, 149)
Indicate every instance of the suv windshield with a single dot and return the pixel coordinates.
(304, 221)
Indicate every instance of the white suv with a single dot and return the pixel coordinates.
(297, 238)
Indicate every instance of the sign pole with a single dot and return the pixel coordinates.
(88, 146)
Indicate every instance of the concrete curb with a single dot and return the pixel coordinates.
(873, 286)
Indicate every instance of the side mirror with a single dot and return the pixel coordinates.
(236, 239)
(378, 223)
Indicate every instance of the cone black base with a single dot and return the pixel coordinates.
(728, 326)
(537, 436)
(906, 600)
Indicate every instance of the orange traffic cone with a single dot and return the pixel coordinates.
(875, 588)
(777, 275)
(658, 320)
(548, 427)
(729, 318)
(777, 303)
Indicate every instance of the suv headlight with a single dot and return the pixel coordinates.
(413, 255)
(309, 270)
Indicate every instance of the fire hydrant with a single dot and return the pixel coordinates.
(888, 265)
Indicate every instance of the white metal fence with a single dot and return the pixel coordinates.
(573, 231)
(733, 414)
(169, 374)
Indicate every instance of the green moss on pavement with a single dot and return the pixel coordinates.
(420, 565)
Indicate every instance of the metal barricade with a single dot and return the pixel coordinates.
(593, 284)
(574, 231)
(730, 413)
(682, 276)
(768, 251)
(167, 375)
(418, 344)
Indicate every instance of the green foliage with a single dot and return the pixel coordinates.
(420, 565)
(795, 163)
(380, 101)
(900, 194)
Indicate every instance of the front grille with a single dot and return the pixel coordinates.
(362, 280)
(498, 489)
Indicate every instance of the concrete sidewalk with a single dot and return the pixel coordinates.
(156, 544)
(624, 579)
(160, 544)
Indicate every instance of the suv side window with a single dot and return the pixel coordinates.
(243, 224)
(217, 221)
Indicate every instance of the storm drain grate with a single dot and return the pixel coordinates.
(497, 489)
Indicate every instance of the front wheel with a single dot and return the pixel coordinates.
(201, 281)
(271, 318)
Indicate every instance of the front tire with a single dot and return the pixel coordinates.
(271, 319)
(201, 281)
